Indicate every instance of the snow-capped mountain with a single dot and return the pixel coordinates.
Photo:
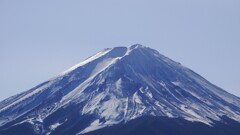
(116, 86)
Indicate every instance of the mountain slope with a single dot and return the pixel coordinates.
(116, 86)
(149, 125)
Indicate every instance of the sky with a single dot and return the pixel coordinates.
(40, 39)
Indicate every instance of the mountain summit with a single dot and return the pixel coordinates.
(117, 87)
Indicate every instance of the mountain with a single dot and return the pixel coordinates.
(123, 90)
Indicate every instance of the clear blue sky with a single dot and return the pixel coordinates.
(41, 38)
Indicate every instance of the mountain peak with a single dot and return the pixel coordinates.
(128, 49)
(111, 53)
(135, 46)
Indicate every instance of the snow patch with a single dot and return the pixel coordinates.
(92, 58)
(93, 126)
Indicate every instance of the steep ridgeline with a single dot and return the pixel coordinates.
(114, 87)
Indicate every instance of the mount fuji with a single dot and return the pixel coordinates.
(123, 91)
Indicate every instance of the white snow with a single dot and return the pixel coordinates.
(54, 126)
(137, 98)
(94, 126)
(77, 91)
(176, 83)
(149, 94)
(118, 84)
(108, 109)
(98, 55)
(27, 96)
